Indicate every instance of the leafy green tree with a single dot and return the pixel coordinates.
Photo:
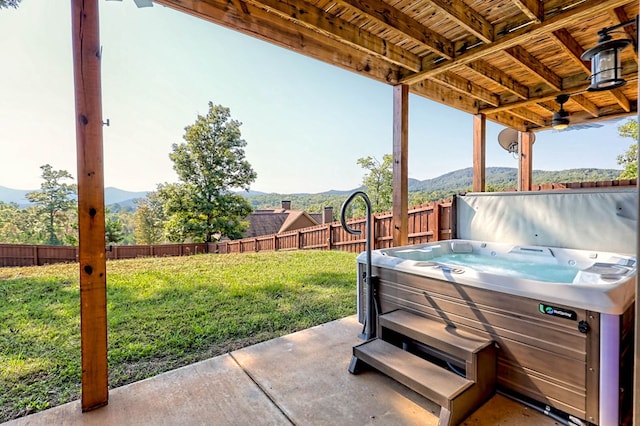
(378, 181)
(149, 220)
(629, 160)
(113, 228)
(53, 200)
(210, 163)
(9, 3)
(9, 220)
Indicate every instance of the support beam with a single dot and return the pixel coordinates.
(621, 99)
(499, 77)
(572, 48)
(586, 104)
(465, 17)
(400, 207)
(582, 11)
(525, 161)
(536, 67)
(388, 15)
(532, 8)
(93, 278)
(479, 152)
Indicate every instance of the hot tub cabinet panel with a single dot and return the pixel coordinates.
(546, 360)
(551, 356)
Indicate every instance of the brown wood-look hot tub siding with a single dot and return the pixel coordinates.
(540, 356)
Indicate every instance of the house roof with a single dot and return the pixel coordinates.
(276, 221)
(505, 59)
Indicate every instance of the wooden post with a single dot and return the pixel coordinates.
(436, 218)
(400, 206)
(92, 258)
(525, 162)
(479, 152)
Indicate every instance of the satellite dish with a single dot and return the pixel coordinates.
(508, 140)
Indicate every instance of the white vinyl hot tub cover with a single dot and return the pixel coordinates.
(593, 219)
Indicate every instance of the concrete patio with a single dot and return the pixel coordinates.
(297, 379)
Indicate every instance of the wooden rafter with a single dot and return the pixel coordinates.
(462, 85)
(572, 48)
(466, 17)
(509, 120)
(527, 60)
(621, 99)
(388, 15)
(533, 9)
(450, 52)
(526, 114)
(499, 77)
(240, 5)
(583, 11)
(571, 86)
(586, 104)
(269, 26)
(339, 29)
(620, 16)
(442, 94)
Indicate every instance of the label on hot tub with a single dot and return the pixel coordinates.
(557, 312)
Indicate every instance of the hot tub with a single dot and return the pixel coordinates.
(562, 318)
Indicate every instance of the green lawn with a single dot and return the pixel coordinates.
(162, 313)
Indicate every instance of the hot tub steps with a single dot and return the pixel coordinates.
(458, 396)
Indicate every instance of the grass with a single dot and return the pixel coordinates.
(162, 313)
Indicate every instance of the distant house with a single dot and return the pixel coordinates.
(277, 221)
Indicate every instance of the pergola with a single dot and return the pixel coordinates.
(502, 60)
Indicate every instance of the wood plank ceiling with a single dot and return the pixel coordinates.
(507, 59)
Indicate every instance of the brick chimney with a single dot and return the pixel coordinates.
(327, 215)
(286, 205)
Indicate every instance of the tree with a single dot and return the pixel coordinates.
(379, 181)
(113, 228)
(149, 220)
(9, 3)
(210, 163)
(54, 200)
(629, 160)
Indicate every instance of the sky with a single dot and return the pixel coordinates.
(306, 123)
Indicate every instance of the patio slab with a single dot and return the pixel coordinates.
(297, 379)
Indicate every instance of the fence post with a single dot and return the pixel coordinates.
(35, 256)
(329, 237)
(275, 242)
(436, 220)
(373, 232)
(298, 238)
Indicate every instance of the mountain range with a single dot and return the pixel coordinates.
(112, 196)
(449, 182)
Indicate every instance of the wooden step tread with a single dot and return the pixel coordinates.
(448, 339)
(433, 382)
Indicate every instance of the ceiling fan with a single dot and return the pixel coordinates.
(560, 119)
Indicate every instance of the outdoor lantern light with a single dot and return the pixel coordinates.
(560, 119)
(606, 66)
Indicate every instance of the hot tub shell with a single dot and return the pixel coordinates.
(568, 345)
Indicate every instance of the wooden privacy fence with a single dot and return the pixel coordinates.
(430, 222)
(32, 255)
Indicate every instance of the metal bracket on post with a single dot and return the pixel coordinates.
(370, 318)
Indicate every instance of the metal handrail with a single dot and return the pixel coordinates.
(370, 318)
